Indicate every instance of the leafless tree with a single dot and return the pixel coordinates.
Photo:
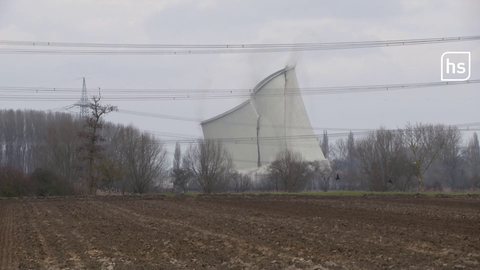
(425, 142)
(15, 148)
(472, 157)
(324, 145)
(350, 145)
(35, 139)
(450, 161)
(338, 151)
(58, 148)
(380, 157)
(404, 179)
(91, 134)
(111, 165)
(49, 143)
(351, 176)
(344, 163)
(241, 182)
(111, 170)
(144, 160)
(209, 163)
(290, 170)
(177, 157)
(180, 177)
(323, 173)
(13, 182)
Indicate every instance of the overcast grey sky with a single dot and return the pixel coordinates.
(258, 21)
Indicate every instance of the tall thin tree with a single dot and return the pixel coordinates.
(324, 145)
(91, 134)
(180, 177)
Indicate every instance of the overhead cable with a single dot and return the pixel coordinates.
(38, 93)
(63, 48)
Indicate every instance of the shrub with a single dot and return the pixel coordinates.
(13, 182)
(49, 184)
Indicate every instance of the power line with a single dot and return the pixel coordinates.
(198, 120)
(229, 90)
(191, 49)
(171, 135)
(466, 126)
(164, 116)
(241, 140)
(225, 46)
(193, 94)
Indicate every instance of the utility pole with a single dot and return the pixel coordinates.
(83, 102)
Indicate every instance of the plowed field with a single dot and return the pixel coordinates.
(240, 232)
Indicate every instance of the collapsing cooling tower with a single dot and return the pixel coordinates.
(273, 119)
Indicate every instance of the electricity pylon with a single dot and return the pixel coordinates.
(83, 102)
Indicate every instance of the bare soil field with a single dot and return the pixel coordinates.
(241, 232)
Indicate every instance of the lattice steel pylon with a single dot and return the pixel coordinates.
(83, 102)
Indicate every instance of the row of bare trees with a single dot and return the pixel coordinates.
(52, 150)
(416, 157)
(403, 159)
(207, 166)
(82, 155)
(407, 159)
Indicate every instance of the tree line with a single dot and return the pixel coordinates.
(46, 153)
(415, 158)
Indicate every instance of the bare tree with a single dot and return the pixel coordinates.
(144, 160)
(380, 157)
(323, 173)
(209, 163)
(92, 147)
(179, 174)
(111, 170)
(13, 182)
(324, 145)
(338, 151)
(342, 165)
(13, 139)
(405, 178)
(425, 143)
(450, 161)
(349, 167)
(58, 148)
(177, 157)
(350, 145)
(290, 170)
(241, 182)
(111, 166)
(472, 156)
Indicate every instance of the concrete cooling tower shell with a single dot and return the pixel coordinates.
(272, 120)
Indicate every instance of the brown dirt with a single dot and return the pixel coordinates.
(240, 232)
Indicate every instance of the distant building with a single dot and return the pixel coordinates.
(272, 119)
